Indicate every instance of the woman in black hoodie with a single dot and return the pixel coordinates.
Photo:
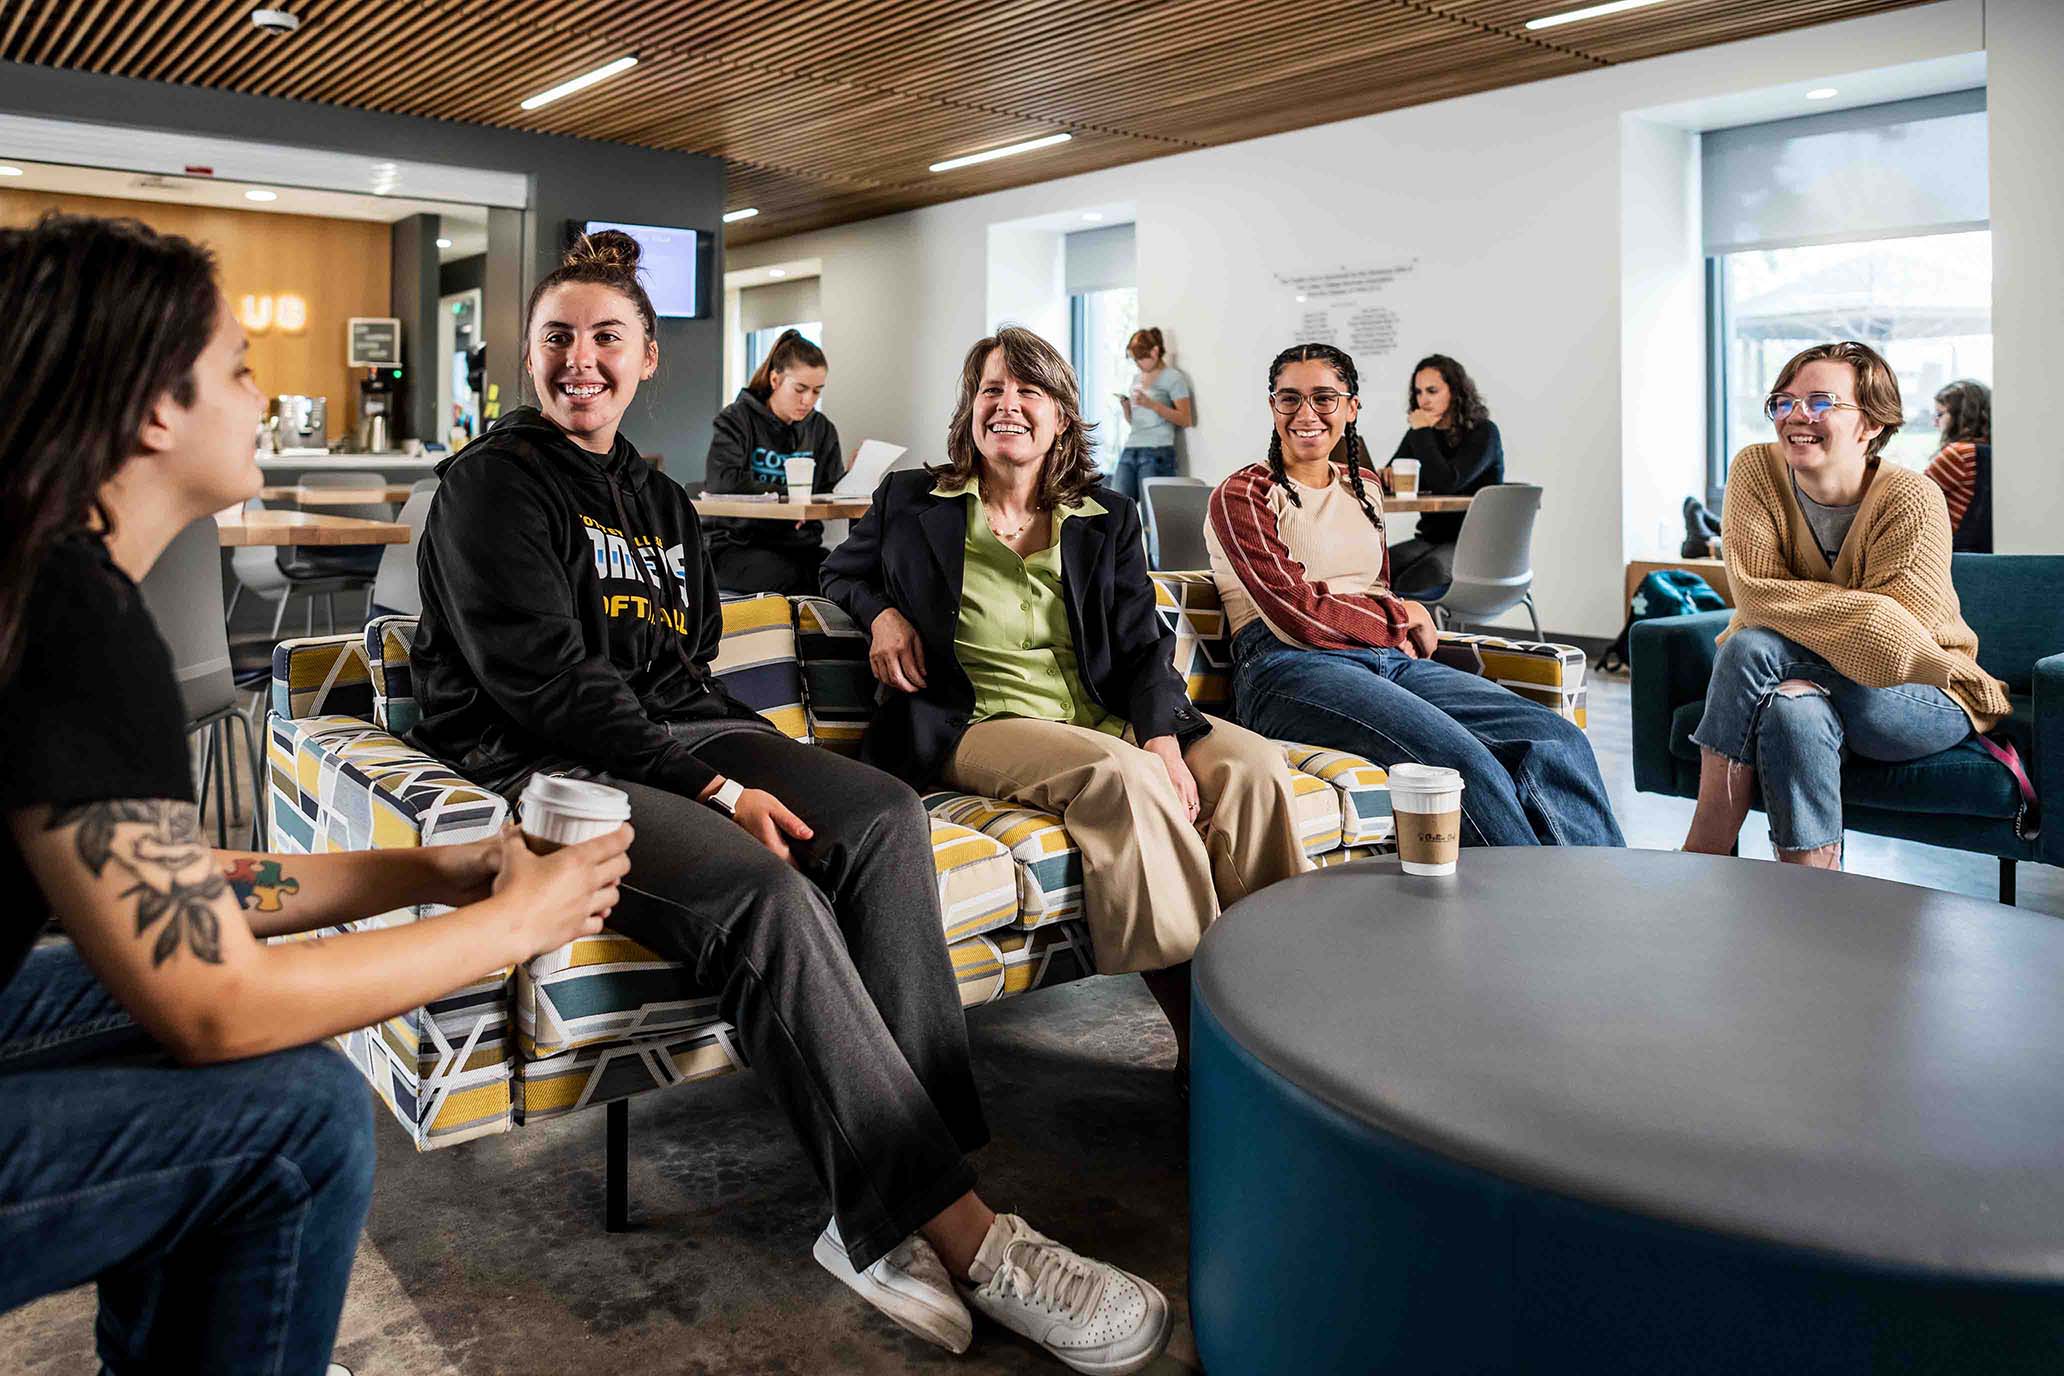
(570, 615)
(774, 419)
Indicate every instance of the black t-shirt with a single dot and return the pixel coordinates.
(91, 711)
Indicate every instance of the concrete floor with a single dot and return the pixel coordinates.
(490, 1257)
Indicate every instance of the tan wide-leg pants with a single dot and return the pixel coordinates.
(1152, 880)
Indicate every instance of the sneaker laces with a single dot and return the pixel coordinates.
(1047, 1275)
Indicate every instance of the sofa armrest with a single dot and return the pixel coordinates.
(339, 783)
(1670, 660)
(321, 676)
(1540, 670)
(2046, 770)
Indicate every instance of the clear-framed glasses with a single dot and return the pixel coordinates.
(1323, 402)
(1779, 405)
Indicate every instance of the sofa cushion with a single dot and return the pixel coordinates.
(1547, 673)
(608, 988)
(756, 661)
(1188, 605)
(1963, 781)
(1347, 855)
(323, 796)
(1362, 789)
(1004, 964)
(1049, 866)
(322, 675)
(1318, 813)
(838, 687)
(387, 643)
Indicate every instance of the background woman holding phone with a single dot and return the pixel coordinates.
(1155, 408)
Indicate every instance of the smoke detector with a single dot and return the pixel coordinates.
(153, 182)
(278, 23)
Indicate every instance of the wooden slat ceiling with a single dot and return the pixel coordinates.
(830, 110)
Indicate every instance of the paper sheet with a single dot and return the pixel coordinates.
(870, 466)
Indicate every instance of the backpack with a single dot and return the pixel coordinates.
(1666, 592)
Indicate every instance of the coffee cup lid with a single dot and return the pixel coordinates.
(1427, 778)
(577, 798)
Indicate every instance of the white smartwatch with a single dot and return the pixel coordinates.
(725, 799)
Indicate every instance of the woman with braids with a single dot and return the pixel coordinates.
(1327, 653)
(1011, 617)
(1451, 434)
(170, 1125)
(774, 419)
(570, 616)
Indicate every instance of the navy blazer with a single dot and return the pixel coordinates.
(909, 552)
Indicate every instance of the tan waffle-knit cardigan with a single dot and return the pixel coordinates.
(1886, 612)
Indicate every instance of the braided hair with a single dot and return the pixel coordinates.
(1343, 365)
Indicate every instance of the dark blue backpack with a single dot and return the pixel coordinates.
(1666, 592)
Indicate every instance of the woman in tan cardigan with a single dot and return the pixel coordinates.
(1846, 632)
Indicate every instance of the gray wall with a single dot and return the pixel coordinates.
(412, 293)
(570, 179)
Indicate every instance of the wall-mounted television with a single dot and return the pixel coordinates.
(677, 264)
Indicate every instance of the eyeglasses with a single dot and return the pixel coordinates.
(1286, 401)
(1779, 405)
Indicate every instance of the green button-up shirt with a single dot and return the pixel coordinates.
(1013, 638)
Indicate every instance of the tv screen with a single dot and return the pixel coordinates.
(675, 262)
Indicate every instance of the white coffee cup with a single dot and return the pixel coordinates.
(801, 472)
(558, 811)
(1404, 477)
(1426, 800)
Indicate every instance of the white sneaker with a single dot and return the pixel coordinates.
(1091, 1315)
(910, 1285)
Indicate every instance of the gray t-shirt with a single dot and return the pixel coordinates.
(1148, 430)
(1829, 524)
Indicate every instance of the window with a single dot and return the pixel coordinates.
(1869, 224)
(1925, 303)
(1100, 323)
(758, 342)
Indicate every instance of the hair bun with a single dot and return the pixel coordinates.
(609, 248)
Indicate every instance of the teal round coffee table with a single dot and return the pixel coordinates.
(1621, 1111)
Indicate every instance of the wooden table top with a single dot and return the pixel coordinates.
(751, 510)
(240, 529)
(1422, 505)
(335, 496)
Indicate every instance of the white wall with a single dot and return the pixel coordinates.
(2025, 98)
(1027, 281)
(1516, 203)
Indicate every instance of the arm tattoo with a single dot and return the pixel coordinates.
(261, 885)
(157, 841)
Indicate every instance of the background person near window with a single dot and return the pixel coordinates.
(1157, 406)
(774, 419)
(1451, 434)
(1847, 637)
(1963, 418)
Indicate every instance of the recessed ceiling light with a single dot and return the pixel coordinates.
(1822, 93)
(444, 243)
(732, 217)
(1588, 12)
(580, 83)
(261, 195)
(1092, 215)
(1008, 151)
(6, 171)
(777, 272)
(278, 23)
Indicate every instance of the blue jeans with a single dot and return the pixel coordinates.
(217, 1206)
(1154, 461)
(1528, 775)
(1794, 741)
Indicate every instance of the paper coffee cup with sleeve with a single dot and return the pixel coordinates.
(558, 811)
(1426, 801)
(1404, 477)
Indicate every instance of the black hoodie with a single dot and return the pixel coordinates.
(549, 637)
(749, 452)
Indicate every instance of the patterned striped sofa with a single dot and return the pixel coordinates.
(603, 1019)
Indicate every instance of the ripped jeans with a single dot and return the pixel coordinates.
(1795, 741)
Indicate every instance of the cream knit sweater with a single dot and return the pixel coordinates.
(1885, 613)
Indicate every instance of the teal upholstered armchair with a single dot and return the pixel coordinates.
(1961, 798)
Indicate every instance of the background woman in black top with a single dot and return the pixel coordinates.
(773, 419)
(166, 1127)
(1459, 451)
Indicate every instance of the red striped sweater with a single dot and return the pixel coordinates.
(1243, 525)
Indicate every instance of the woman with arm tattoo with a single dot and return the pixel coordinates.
(167, 1126)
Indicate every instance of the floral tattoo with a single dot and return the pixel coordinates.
(157, 842)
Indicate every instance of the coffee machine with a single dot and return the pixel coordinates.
(379, 402)
(300, 422)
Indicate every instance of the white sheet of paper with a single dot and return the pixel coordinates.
(870, 466)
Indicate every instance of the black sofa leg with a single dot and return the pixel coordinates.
(615, 1187)
(2006, 881)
